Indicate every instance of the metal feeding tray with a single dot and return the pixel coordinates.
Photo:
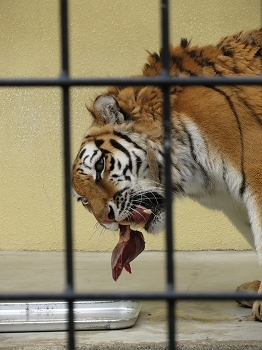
(52, 316)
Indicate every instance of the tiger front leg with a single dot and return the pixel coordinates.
(252, 287)
(253, 201)
(248, 287)
(257, 306)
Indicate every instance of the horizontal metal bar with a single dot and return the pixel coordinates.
(159, 80)
(165, 295)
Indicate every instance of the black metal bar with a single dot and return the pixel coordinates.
(165, 73)
(165, 38)
(67, 186)
(166, 295)
(64, 37)
(164, 81)
(157, 81)
(67, 170)
(68, 216)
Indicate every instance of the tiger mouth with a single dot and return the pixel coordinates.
(131, 242)
(140, 216)
(147, 209)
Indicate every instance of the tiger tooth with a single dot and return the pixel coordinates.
(147, 211)
(124, 222)
(140, 224)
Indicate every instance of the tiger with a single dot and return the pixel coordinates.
(216, 142)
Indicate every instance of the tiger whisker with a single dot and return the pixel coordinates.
(146, 196)
(97, 226)
(156, 189)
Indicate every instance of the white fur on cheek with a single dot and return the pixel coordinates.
(113, 226)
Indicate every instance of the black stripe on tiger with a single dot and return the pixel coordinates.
(177, 61)
(112, 164)
(95, 152)
(128, 139)
(98, 142)
(252, 111)
(194, 156)
(231, 106)
(202, 61)
(207, 181)
(117, 195)
(79, 170)
(224, 169)
(138, 163)
(174, 165)
(247, 105)
(121, 148)
(82, 153)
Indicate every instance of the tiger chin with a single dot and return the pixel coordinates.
(216, 144)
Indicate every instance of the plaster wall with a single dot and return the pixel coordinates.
(107, 38)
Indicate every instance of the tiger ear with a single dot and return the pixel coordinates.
(107, 110)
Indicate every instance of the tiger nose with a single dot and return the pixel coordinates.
(110, 215)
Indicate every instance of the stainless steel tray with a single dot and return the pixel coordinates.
(52, 316)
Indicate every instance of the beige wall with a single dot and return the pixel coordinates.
(108, 38)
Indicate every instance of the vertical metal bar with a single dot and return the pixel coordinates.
(168, 177)
(67, 170)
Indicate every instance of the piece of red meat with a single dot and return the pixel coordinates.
(131, 244)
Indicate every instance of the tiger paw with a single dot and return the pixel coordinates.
(257, 310)
(249, 287)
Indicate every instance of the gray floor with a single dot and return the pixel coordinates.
(200, 325)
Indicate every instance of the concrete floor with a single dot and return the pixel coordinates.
(200, 325)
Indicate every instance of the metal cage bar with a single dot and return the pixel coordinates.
(168, 181)
(161, 80)
(67, 170)
(164, 81)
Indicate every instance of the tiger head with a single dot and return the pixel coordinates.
(117, 172)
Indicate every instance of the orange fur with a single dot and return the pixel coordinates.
(216, 141)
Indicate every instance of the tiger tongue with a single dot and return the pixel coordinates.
(131, 244)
